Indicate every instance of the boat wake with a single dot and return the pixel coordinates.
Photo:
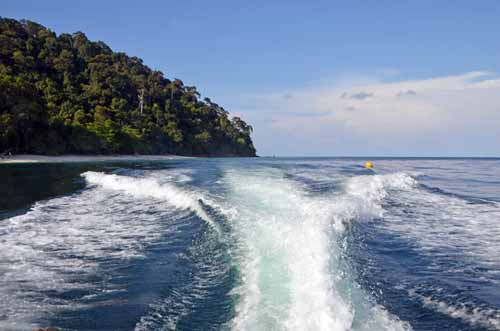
(151, 188)
(294, 275)
(258, 248)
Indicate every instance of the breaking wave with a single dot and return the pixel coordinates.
(151, 187)
(291, 257)
(291, 246)
(470, 313)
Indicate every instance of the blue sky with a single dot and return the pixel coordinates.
(285, 65)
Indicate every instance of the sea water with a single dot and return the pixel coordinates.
(251, 244)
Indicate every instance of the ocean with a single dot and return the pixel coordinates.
(251, 244)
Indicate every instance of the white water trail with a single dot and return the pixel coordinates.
(477, 316)
(151, 187)
(443, 224)
(290, 256)
(440, 226)
(57, 245)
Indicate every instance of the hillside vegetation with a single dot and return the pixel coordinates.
(66, 94)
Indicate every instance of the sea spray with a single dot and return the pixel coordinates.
(150, 187)
(291, 275)
(304, 244)
(56, 248)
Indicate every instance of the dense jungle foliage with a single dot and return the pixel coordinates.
(65, 94)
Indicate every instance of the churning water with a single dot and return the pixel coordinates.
(251, 244)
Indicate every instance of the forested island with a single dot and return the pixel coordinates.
(62, 94)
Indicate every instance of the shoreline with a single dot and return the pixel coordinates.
(35, 158)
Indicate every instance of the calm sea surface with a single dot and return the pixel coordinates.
(251, 244)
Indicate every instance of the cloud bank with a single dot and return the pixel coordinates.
(447, 116)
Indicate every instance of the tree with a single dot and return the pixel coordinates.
(67, 94)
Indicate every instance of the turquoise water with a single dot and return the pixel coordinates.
(251, 244)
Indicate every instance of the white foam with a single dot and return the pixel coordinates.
(439, 225)
(442, 224)
(59, 243)
(290, 258)
(151, 187)
(208, 269)
(370, 191)
(489, 318)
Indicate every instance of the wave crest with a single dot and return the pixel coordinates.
(150, 187)
(291, 256)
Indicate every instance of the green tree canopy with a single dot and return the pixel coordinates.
(67, 94)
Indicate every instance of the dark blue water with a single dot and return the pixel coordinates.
(251, 244)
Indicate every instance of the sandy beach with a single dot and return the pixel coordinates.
(32, 158)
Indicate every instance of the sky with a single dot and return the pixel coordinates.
(317, 78)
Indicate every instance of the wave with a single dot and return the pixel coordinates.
(291, 258)
(50, 257)
(206, 284)
(286, 243)
(367, 193)
(441, 224)
(460, 238)
(151, 187)
(56, 248)
(468, 198)
(469, 313)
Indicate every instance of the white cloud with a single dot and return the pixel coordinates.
(450, 109)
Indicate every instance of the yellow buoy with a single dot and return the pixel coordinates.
(368, 165)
